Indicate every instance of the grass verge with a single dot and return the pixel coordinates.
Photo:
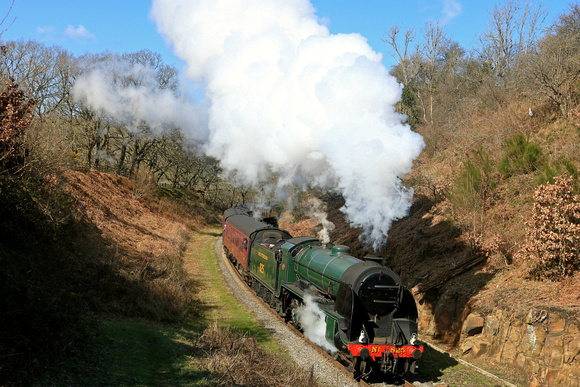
(219, 304)
(121, 352)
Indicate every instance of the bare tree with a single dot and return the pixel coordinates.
(126, 145)
(512, 32)
(6, 17)
(428, 71)
(435, 43)
(165, 75)
(401, 53)
(553, 71)
(41, 71)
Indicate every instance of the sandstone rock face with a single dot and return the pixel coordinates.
(542, 345)
(473, 325)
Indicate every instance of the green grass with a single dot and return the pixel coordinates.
(222, 306)
(124, 352)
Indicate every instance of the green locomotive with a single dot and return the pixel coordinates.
(370, 317)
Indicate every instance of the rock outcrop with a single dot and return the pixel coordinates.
(543, 346)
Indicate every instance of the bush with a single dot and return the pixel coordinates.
(475, 183)
(553, 237)
(521, 156)
(15, 116)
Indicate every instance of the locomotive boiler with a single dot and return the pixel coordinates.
(370, 317)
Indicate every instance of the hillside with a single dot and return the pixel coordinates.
(141, 239)
(87, 244)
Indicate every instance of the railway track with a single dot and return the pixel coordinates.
(340, 377)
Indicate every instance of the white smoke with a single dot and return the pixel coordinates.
(315, 209)
(312, 321)
(290, 99)
(106, 87)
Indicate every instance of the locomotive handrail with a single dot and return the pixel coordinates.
(385, 286)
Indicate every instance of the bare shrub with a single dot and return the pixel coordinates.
(236, 359)
(494, 248)
(431, 183)
(553, 235)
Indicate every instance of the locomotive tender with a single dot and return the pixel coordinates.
(370, 317)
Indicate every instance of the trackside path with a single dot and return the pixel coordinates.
(219, 305)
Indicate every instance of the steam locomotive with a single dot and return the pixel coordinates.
(370, 317)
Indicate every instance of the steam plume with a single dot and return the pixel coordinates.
(289, 98)
(133, 103)
(315, 209)
(312, 321)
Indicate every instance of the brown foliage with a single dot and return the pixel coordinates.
(143, 246)
(553, 237)
(15, 117)
(237, 360)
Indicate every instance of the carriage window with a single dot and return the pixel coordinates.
(245, 244)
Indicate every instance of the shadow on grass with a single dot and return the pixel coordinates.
(211, 233)
(132, 353)
(433, 364)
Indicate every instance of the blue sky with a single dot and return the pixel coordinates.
(125, 26)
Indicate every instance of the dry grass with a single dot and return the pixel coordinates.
(513, 291)
(235, 359)
(304, 227)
